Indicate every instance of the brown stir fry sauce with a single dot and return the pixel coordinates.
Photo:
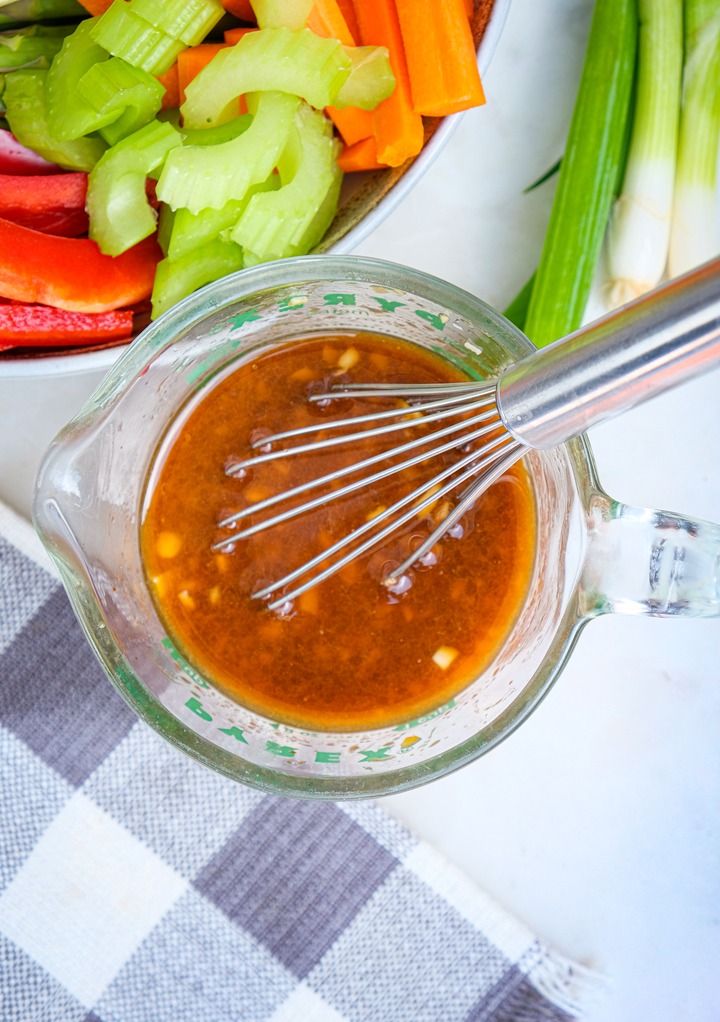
(349, 653)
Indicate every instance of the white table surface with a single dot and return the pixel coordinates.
(598, 822)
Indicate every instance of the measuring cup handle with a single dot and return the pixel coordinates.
(644, 561)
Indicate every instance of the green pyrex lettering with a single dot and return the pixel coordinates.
(241, 318)
(428, 716)
(293, 302)
(369, 755)
(183, 664)
(197, 708)
(234, 732)
(434, 320)
(280, 750)
(211, 361)
(385, 304)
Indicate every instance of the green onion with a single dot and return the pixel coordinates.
(693, 237)
(639, 230)
(588, 175)
(24, 11)
(517, 310)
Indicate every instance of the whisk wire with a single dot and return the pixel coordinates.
(404, 389)
(544, 399)
(413, 419)
(467, 401)
(490, 425)
(463, 505)
(477, 466)
(469, 459)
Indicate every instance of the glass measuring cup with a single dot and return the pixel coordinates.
(594, 555)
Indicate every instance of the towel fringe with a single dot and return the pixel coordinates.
(565, 983)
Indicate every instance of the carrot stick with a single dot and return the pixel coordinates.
(441, 57)
(360, 156)
(348, 12)
(469, 7)
(327, 20)
(353, 123)
(398, 129)
(242, 9)
(95, 7)
(234, 35)
(191, 61)
(169, 79)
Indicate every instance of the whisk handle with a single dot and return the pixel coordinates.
(615, 363)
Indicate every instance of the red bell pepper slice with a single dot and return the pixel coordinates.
(54, 204)
(22, 325)
(72, 273)
(16, 158)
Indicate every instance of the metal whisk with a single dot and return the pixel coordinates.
(552, 395)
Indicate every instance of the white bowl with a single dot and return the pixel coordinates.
(366, 200)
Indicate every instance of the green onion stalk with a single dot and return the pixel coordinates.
(639, 230)
(19, 12)
(588, 175)
(694, 235)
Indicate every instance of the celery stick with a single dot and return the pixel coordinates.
(28, 11)
(639, 230)
(166, 218)
(198, 177)
(190, 230)
(371, 79)
(69, 115)
(277, 59)
(587, 175)
(90, 91)
(177, 278)
(33, 46)
(221, 133)
(284, 223)
(126, 35)
(118, 208)
(122, 97)
(282, 13)
(693, 236)
(25, 98)
(315, 230)
(189, 21)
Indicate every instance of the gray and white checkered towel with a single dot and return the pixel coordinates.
(138, 886)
